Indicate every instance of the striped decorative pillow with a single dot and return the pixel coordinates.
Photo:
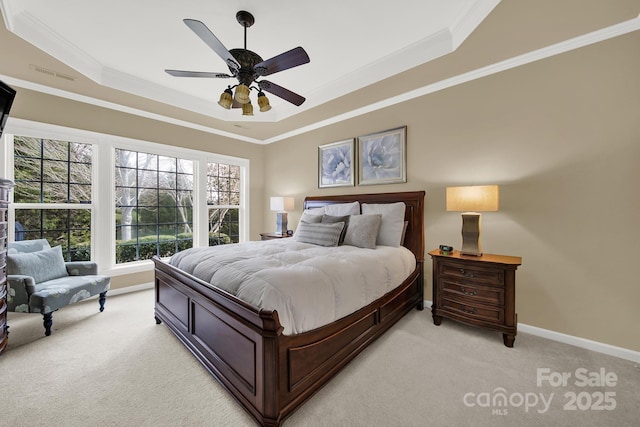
(319, 234)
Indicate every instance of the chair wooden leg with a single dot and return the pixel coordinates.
(102, 299)
(48, 321)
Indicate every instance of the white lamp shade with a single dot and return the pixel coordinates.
(282, 204)
(476, 198)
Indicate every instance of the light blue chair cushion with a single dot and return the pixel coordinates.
(54, 294)
(26, 246)
(42, 265)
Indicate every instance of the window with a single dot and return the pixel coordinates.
(154, 205)
(223, 202)
(53, 194)
(119, 201)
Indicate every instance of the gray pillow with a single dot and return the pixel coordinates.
(328, 219)
(390, 233)
(41, 265)
(363, 230)
(319, 234)
(310, 218)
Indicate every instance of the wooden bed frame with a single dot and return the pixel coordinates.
(268, 373)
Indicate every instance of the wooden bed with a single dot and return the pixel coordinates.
(268, 373)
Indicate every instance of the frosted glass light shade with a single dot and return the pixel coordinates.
(247, 109)
(242, 94)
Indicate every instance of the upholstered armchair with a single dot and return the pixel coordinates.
(40, 281)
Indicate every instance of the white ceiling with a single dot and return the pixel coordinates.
(126, 45)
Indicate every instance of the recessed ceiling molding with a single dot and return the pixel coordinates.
(470, 20)
(418, 53)
(437, 44)
(536, 55)
(556, 49)
(37, 33)
(123, 109)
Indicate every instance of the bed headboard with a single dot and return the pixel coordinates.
(414, 212)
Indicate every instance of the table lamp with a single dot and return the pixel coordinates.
(281, 205)
(470, 201)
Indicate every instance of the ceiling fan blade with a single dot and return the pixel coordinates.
(212, 41)
(281, 92)
(284, 61)
(181, 73)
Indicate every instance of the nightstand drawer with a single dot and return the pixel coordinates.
(476, 311)
(492, 276)
(470, 292)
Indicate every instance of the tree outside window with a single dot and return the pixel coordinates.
(52, 195)
(154, 205)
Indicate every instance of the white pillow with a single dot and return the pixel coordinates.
(315, 211)
(343, 209)
(390, 233)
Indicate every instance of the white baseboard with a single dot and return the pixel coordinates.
(620, 352)
(128, 289)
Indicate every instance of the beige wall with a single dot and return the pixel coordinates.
(39, 107)
(561, 137)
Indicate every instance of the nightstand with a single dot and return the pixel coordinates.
(270, 236)
(478, 291)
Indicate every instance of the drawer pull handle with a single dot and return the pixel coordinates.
(466, 292)
(465, 274)
(470, 311)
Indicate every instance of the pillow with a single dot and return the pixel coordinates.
(310, 218)
(340, 209)
(363, 230)
(328, 219)
(319, 234)
(315, 211)
(41, 265)
(390, 233)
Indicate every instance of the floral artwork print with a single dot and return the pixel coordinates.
(336, 164)
(382, 157)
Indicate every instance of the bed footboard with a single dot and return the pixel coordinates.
(268, 373)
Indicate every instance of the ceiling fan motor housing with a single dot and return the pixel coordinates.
(247, 61)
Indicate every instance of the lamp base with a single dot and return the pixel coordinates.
(281, 223)
(471, 234)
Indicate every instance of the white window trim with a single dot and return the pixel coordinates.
(103, 239)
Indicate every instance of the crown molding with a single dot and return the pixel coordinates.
(537, 55)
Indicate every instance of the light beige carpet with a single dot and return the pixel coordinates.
(118, 368)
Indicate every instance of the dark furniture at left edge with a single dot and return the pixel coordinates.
(5, 187)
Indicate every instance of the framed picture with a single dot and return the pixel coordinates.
(336, 164)
(382, 157)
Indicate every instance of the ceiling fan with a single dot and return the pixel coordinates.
(246, 66)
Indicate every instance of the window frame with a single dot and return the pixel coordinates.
(103, 188)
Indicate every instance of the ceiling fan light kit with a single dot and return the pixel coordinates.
(242, 94)
(226, 99)
(246, 66)
(247, 109)
(263, 102)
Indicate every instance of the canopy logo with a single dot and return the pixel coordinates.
(500, 401)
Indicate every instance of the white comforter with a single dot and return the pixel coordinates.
(308, 285)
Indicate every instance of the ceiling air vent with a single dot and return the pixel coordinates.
(51, 73)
